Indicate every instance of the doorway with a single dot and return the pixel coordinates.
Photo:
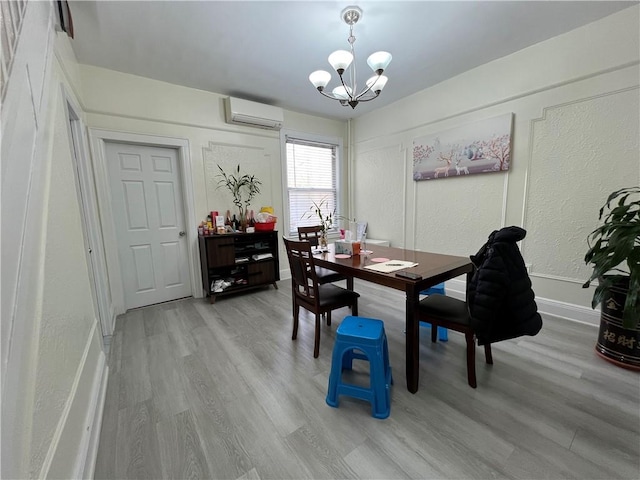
(146, 199)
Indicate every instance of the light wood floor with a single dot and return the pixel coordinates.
(221, 391)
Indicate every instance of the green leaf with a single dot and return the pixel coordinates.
(614, 250)
(243, 188)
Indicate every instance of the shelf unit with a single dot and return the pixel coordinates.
(245, 260)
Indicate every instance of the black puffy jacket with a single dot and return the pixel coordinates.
(501, 302)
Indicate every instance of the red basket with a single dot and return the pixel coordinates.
(265, 227)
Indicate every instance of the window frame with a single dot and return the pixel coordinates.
(309, 138)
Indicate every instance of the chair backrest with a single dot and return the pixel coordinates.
(303, 273)
(311, 234)
(500, 296)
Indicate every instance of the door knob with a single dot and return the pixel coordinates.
(182, 233)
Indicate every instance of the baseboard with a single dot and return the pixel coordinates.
(285, 274)
(569, 311)
(98, 408)
(575, 313)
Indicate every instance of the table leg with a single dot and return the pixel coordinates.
(412, 338)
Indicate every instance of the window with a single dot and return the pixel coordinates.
(311, 176)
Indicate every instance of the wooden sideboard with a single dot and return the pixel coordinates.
(235, 262)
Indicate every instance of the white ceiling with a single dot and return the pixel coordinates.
(265, 50)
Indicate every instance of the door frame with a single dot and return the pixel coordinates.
(99, 139)
(90, 219)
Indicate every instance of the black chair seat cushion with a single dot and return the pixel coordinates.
(333, 295)
(328, 276)
(442, 307)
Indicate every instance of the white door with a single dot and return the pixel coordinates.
(146, 198)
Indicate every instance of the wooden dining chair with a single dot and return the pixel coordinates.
(451, 313)
(312, 235)
(500, 301)
(307, 292)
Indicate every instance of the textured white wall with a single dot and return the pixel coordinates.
(581, 152)
(51, 343)
(575, 139)
(447, 216)
(67, 315)
(384, 170)
(252, 161)
(21, 114)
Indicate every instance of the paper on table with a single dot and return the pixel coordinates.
(391, 266)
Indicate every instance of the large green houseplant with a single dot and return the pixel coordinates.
(243, 188)
(614, 253)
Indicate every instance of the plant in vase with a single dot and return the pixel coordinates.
(242, 187)
(325, 219)
(615, 244)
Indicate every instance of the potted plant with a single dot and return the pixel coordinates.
(242, 187)
(325, 219)
(614, 252)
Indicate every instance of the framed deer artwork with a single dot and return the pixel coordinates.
(479, 147)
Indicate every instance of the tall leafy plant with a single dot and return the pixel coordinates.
(325, 218)
(243, 188)
(615, 244)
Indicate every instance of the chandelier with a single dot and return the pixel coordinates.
(340, 60)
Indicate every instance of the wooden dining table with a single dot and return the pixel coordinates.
(433, 268)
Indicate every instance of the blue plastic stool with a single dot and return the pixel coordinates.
(364, 339)
(443, 333)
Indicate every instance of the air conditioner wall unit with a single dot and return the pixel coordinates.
(253, 114)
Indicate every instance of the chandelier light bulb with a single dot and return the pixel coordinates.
(377, 83)
(320, 79)
(342, 60)
(342, 93)
(378, 61)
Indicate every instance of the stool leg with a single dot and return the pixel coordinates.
(443, 334)
(387, 366)
(347, 360)
(379, 386)
(335, 377)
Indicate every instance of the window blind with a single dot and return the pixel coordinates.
(311, 177)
